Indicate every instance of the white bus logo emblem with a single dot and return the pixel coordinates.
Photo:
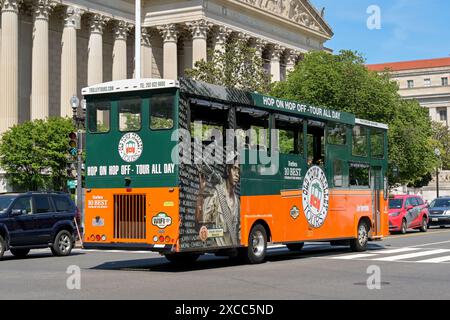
(130, 147)
(315, 197)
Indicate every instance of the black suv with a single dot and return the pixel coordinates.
(37, 220)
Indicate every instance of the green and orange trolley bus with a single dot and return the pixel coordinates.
(186, 168)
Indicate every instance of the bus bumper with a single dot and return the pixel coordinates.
(127, 246)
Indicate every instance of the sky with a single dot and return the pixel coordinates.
(409, 29)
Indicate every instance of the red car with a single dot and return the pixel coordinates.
(408, 212)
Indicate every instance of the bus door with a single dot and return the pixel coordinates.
(376, 186)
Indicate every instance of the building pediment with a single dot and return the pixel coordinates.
(300, 12)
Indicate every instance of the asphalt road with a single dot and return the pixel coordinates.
(414, 266)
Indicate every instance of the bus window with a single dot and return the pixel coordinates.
(130, 114)
(290, 134)
(253, 127)
(359, 175)
(99, 117)
(337, 134)
(161, 112)
(206, 123)
(377, 143)
(316, 143)
(360, 141)
(340, 179)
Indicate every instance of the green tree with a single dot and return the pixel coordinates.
(342, 82)
(34, 154)
(441, 133)
(239, 67)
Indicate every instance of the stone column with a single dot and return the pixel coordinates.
(9, 65)
(146, 54)
(221, 35)
(275, 56)
(72, 17)
(97, 25)
(40, 60)
(121, 29)
(187, 52)
(259, 45)
(199, 31)
(448, 116)
(291, 60)
(169, 34)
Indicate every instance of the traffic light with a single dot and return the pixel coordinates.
(73, 144)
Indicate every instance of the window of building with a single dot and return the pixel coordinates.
(442, 114)
(444, 81)
(130, 114)
(359, 147)
(427, 82)
(410, 84)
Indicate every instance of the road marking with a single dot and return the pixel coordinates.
(397, 250)
(413, 255)
(417, 234)
(430, 244)
(355, 256)
(436, 260)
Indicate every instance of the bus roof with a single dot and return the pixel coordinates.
(208, 91)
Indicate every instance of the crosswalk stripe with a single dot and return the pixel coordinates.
(356, 256)
(397, 250)
(413, 255)
(436, 260)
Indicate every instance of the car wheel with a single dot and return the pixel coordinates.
(360, 244)
(63, 244)
(295, 246)
(20, 253)
(2, 247)
(404, 227)
(256, 251)
(182, 258)
(424, 227)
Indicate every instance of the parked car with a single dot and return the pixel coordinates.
(37, 220)
(440, 212)
(408, 212)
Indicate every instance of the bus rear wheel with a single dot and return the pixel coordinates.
(360, 244)
(182, 258)
(256, 251)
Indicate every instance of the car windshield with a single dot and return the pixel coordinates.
(395, 203)
(440, 203)
(5, 202)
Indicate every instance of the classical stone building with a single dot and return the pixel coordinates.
(424, 80)
(50, 49)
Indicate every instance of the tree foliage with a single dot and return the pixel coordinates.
(34, 154)
(441, 134)
(239, 67)
(342, 82)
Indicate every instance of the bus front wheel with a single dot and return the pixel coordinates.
(255, 253)
(360, 243)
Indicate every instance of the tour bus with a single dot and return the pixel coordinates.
(186, 168)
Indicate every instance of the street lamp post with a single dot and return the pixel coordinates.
(437, 152)
(79, 118)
